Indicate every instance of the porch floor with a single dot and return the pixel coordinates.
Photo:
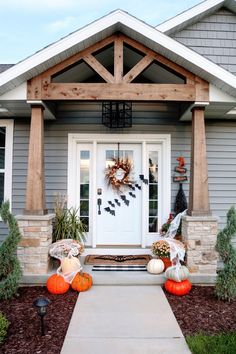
(123, 319)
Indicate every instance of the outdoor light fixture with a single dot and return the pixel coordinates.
(41, 304)
(117, 114)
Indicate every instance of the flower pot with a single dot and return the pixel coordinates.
(167, 262)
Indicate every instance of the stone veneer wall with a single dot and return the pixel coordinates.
(32, 251)
(200, 234)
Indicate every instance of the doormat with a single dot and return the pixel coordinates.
(119, 268)
(95, 259)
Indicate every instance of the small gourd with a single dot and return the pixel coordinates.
(178, 288)
(177, 273)
(56, 284)
(70, 264)
(82, 282)
(155, 266)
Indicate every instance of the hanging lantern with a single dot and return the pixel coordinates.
(117, 114)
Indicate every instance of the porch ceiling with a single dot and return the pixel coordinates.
(149, 110)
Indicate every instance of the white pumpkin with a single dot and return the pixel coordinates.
(155, 266)
(70, 264)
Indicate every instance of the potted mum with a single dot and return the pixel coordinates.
(161, 249)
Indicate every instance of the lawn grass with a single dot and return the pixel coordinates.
(217, 344)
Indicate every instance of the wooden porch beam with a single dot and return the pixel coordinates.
(98, 68)
(118, 60)
(106, 91)
(138, 69)
(198, 194)
(35, 189)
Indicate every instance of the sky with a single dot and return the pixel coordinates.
(27, 26)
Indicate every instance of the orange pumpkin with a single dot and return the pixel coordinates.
(178, 288)
(56, 284)
(82, 282)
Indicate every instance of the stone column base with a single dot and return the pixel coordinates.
(32, 251)
(200, 233)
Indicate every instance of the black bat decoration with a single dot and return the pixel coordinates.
(138, 186)
(112, 212)
(126, 202)
(132, 195)
(145, 181)
(112, 204)
(107, 209)
(117, 202)
(141, 177)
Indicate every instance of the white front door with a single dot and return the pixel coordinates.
(119, 218)
(129, 218)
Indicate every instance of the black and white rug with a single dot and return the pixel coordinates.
(119, 268)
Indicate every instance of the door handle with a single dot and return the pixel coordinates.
(99, 203)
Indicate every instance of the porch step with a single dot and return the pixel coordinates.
(122, 278)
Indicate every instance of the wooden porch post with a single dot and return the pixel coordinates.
(198, 194)
(35, 189)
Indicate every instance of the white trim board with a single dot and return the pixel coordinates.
(9, 124)
(93, 139)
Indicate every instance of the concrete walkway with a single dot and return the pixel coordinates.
(124, 320)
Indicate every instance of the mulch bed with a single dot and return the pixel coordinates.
(199, 311)
(24, 332)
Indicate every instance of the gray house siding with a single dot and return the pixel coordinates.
(214, 37)
(221, 152)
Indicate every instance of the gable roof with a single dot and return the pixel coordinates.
(4, 67)
(194, 14)
(104, 27)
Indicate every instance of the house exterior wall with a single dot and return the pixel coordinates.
(221, 153)
(214, 37)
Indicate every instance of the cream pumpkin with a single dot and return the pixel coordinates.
(155, 266)
(177, 274)
(70, 264)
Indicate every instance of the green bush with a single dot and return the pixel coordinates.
(225, 288)
(4, 324)
(10, 271)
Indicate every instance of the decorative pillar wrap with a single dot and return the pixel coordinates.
(200, 233)
(32, 251)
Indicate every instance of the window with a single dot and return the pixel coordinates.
(6, 148)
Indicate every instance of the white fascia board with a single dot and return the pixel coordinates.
(216, 95)
(60, 46)
(18, 93)
(126, 20)
(186, 16)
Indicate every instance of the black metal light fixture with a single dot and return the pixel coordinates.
(41, 304)
(117, 114)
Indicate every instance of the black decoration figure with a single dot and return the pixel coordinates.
(141, 177)
(112, 212)
(138, 186)
(117, 202)
(111, 204)
(132, 194)
(145, 181)
(107, 209)
(180, 201)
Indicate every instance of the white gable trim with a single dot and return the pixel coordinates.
(172, 49)
(186, 16)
